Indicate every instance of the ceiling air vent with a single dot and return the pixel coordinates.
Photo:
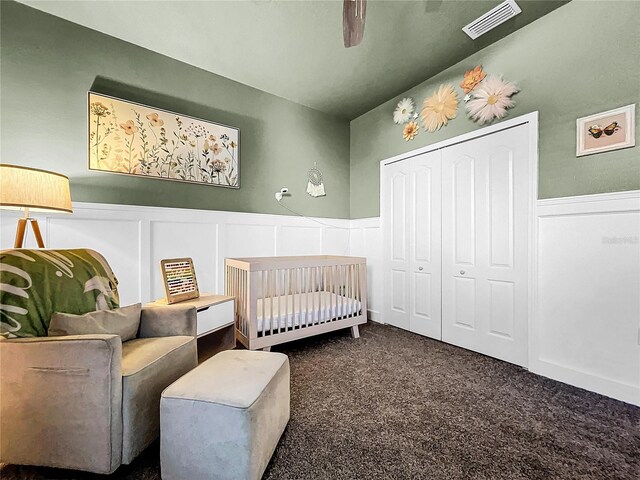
(494, 17)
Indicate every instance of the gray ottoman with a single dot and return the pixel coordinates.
(223, 419)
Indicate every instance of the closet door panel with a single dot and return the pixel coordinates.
(485, 223)
(460, 296)
(501, 232)
(396, 214)
(425, 260)
(464, 211)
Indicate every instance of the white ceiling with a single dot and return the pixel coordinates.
(294, 49)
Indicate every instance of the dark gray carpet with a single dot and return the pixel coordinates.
(394, 405)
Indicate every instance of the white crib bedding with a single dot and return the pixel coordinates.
(304, 309)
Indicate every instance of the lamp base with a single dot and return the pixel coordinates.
(22, 231)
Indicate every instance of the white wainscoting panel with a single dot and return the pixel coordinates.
(184, 239)
(112, 238)
(296, 240)
(586, 330)
(366, 241)
(241, 240)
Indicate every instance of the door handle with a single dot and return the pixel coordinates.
(462, 272)
(420, 268)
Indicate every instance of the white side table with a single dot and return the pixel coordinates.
(215, 325)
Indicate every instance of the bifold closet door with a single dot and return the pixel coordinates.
(485, 224)
(411, 215)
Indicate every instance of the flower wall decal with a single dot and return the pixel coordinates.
(439, 108)
(404, 110)
(410, 131)
(491, 100)
(487, 97)
(472, 78)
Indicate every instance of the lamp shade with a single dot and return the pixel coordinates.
(39, 190)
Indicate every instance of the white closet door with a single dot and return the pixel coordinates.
(485, 223)
(411, 215)
(424, 245)
(396, 216)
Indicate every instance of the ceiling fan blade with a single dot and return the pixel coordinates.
(353, 16)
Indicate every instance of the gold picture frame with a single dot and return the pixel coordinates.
(133, 139)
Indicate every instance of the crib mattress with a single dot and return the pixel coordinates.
(304, 309)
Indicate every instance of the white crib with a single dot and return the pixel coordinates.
(280, 299)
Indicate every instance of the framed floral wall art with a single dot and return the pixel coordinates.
(602, 132)
(134, 139)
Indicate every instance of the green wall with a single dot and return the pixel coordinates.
(49, 64)
(580, 59)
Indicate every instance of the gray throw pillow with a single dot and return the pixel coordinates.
(120, 321)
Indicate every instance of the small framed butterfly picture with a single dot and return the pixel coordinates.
(606, 131)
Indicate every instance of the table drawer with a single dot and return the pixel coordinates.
(214, 317)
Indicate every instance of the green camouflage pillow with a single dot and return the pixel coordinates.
(35, 284)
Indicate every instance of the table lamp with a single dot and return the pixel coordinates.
(33, 190)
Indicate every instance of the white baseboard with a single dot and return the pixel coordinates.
(374, 316)
(588, 381)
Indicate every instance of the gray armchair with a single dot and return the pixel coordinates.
(91, 402)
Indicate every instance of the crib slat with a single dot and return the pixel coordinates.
(310, 295)
(325, 288)
(243, 287)
(263, 280)
(358, 297)
(357, 292)
(236, 293)
(313, 295)
(343, 290)
(294, 293)
(335, 290)
(276, 300)
(349, 305)
(354, 290)
(286, 275)
(241, 299)
(271, 300)
(278, 294)
(319, 293)
(304, 298)
(240, 322)
(245, 298)
(252, 302)
(363, 290)
(281, 297)
(330, 290)
(346, 290)
(320, 299)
